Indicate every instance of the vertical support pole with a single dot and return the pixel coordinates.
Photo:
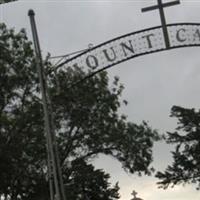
(164, 25)
(50, 173)
(52, 152)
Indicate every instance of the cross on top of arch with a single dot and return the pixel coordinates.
(160, 6)
(134, 193)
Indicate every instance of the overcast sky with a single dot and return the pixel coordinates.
(153, 83)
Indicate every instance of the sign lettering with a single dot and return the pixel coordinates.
(136, 44)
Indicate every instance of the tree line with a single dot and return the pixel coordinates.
(87, 123)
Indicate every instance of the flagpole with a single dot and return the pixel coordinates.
(52, 152)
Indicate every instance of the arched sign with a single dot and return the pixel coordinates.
(146, 41)
(108, 54)
(136, 44)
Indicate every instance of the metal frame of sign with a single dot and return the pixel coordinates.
(190, 41)
(111, 53)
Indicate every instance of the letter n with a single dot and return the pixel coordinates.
(126, 47)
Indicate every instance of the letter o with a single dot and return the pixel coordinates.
(92, 61)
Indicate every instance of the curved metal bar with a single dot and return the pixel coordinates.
(129, 34)
(105, 68)
(114, 42)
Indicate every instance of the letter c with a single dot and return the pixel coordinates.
(178, 37)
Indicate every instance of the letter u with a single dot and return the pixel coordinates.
(108, 56)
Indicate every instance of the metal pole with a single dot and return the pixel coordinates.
(53, 159)
(50, 173)
(164, 26)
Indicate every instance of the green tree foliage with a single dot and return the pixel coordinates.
(22, 147)
(86, 183)
(6, 1)
(87, 124)
(186, 165)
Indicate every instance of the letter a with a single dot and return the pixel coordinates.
(197, 35)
